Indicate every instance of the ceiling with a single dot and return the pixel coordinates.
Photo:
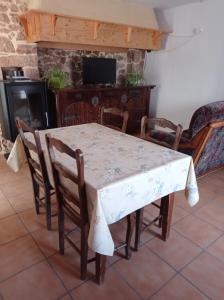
(165, 3)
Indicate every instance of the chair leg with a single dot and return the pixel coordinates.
(84, 251)
(138, 227)
(36, 192)
(129, 232)
(100, 267)
(61, 229)
(161, 213)
(167, 203)
(48, 207)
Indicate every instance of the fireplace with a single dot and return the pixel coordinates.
(28, 100)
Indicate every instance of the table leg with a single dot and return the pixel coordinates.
(129, 232)
(138, 227)
(100, 267)
(167, 203)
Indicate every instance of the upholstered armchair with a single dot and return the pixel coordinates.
(204, 139)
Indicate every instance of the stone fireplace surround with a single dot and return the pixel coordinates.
(71, 62)
(15, 51)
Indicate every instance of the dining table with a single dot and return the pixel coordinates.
(122, 173)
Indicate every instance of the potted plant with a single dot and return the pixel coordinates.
(56, 79)
(134, 79)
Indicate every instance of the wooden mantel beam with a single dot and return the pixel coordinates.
(129, 34)
(53, 23)
(96, 27)
(58, 29)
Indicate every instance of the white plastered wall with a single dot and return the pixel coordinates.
(190, 71)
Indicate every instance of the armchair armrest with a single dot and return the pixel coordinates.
(195, 141)
(216, 124)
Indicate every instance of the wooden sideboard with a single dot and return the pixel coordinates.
(134, 99)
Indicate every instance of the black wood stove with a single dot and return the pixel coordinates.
(27, 99)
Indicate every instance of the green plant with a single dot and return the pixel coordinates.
(134, 78)
(56, 78)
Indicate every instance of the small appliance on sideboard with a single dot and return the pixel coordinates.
(27, 99)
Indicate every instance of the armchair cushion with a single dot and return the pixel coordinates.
(212, 156)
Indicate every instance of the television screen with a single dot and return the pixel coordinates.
(99, 70)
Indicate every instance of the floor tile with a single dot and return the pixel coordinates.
(217, 248)
(206, 195)
(67, 267)
(47, 240)
(32, 221)
(9, 176)
(215, 181)
(179, 288)
(2, 197)
(207, 273)
(37, 282)
(10, 229)
(178, 212)
(177, 251)
(18, 255)
(198, 231)
(113, 288)
(213, 213)
(145, 272)
(66, 297)
(19, 186)
(6, 209)
(21, 202)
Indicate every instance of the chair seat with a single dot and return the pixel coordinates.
(168, 137)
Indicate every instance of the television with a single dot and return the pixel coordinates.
(99, 70)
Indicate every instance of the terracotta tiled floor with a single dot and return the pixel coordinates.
(189, 266)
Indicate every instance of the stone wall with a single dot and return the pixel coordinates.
(14, 51)
(71, 62)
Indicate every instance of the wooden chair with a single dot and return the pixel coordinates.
(159, 137)
(37, 169)
(80, 113)
(166, 204)
(113, 117)
(72, 202)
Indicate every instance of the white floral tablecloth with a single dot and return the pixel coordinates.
(122, 174)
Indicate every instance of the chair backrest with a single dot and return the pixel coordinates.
(113, 117)
(69, 185)
(36, 164)
(149, 124)
(80, 113)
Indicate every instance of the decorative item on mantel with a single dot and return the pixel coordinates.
(56, 79)
(134, 79)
